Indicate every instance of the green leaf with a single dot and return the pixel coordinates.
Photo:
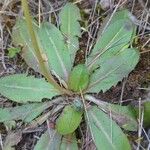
(21, 37)
(70, 27)
(121, 14)
(69, 17)
(125, 116)
(13, 51)
(26, 112)
(147, 114)
(69, 142)
(110, 60)
(22, 89)
(124, 14)
(52, 46)
(119, 21)
(72, 46)
(113, 68)
(68, 121)
(79, 78)
(106, 134)
(146, 111)
(114, 38)
(50, 140)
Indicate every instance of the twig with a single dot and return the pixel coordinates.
(122, 90)
(88, 120)
(144, 6)
(88, 47)
(140, 119)
(148, 41)
(117, 6)
(1, 142)
(39, 13)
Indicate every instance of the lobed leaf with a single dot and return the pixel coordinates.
(68, 121)
(22, 89)
(69, 25)
(105, 132)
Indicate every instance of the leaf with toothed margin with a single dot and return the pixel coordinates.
(69, 19)
(113, 69)
(125, 116)
(21, 88)
(111, 60)
(69, 25)
(21, 37)
(52, 46)
(106, 134)
(26, 112)
(50, 140)
(115, 37)
(119, 15)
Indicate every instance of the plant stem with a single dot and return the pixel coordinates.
(42, 66)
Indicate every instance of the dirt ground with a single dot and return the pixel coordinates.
(130, 90)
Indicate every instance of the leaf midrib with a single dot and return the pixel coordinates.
(58, 55)
(29, 47)
(106, 47)
(26, 88)
(103, 130)
(104, 77)
(110, 72)
(69, 22)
